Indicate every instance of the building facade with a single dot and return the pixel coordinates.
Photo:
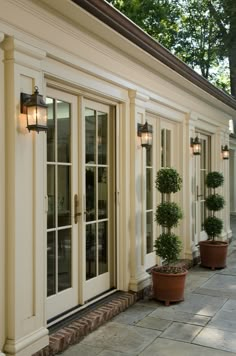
(78, 203)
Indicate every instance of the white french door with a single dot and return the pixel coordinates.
(99, 205)
(62, 181)
(80, 190)
(202, 167)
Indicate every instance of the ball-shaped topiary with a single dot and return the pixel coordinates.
(215, 202)
(168, 246)
(213, 226)
(168, 214)
(214, 179)
(168, 181)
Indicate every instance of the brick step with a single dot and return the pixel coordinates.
(77, 329)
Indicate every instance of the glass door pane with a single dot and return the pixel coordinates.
(97, 171)
(98, 192)
(59, 216)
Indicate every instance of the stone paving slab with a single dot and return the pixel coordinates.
(173, 315)
(166, 347)
(154, 323)
(120, 337)
(200, 304)
(225, 318)
(181, 332)
(84, 350)
(134, 314)
(221, 285)
(218, 339)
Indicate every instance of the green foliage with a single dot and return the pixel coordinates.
(168, 181)
(214, 180)
(168, 214)
(168, 246)
(201, 33)
(213, 226)
(215, 202)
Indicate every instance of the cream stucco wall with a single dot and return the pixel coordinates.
(76, 54)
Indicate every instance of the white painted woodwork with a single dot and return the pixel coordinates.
(93, 62)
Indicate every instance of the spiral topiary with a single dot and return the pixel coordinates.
(214, 202)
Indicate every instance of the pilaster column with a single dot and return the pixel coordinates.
(2, 200)
(189, 177)
(139, 278)
(26, 330)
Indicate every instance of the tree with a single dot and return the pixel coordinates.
(202, 33)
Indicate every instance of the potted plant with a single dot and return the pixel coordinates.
(168, 279)
(213, 253)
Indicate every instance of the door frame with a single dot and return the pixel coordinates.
(80, 97)
(202, 164)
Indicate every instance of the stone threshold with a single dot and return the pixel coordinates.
(74, 331)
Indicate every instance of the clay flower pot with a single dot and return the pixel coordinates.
(168, 287)
(213, 254)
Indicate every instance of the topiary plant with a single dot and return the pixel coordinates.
(214, 202)
(168, 245)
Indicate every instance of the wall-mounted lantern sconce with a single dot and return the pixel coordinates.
(35, 109)
(196, 145)
(225, 152)
(145, 133)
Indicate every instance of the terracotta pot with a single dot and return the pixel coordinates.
(168, 287)
(213, 254)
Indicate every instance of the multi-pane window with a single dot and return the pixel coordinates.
(59, 224)
(165, 148)
(149, 200)
(97, 187)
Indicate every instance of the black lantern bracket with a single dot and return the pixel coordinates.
(145, 132)
(225, 151)
(195, 143)
(35, 109)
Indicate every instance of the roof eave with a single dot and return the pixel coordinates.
(120, 23)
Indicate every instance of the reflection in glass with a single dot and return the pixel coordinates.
(90, 193)
(149, 190)
(203, 154)
(162, 146)
(149, 231)
(51, 130)
(63, 131)
(203, 185)
(167, 148)
(203, 214)
(51, 214)
(64, 196)
(102, 138)
(102, 193)
(91, 261)
(90, 135)
(64, 259)
(51, 263)
(102, 247)
(149, 157)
